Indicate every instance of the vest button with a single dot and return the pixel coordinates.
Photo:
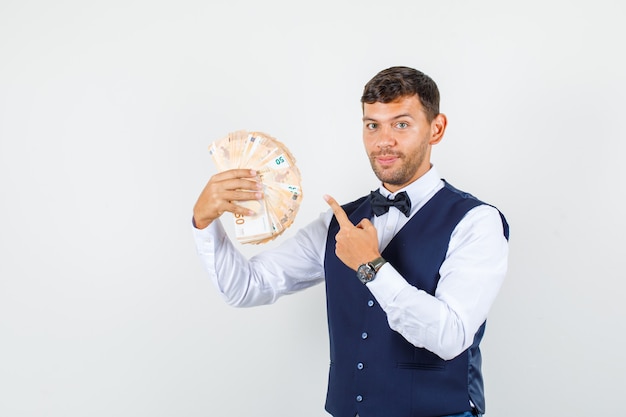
(359, 398)
(359, 365)
(364, 335)
(370, 303)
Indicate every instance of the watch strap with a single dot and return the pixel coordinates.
(378, 263)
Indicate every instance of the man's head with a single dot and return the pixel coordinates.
(394, 83)
(401, 122)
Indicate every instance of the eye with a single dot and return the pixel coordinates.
(371, 126)
(402, 125)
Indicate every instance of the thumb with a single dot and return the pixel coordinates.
(365, 224)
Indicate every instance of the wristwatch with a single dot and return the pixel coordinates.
(367, 272)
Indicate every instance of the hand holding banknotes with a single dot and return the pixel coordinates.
(355, 245)
(222, 189)
(258, 219)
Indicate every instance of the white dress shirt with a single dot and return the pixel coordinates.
(471, 274)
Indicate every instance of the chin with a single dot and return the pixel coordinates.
(386, 175)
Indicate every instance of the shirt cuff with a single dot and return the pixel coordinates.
(209, 238)
(387, 285)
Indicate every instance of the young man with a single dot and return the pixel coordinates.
(411, 269)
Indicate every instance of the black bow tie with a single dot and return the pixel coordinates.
(380, 204)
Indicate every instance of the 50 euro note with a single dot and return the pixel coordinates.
(226, 154)
(254, 228)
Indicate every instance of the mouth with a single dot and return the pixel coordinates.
(386, 160)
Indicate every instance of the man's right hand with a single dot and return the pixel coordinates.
(220, 193)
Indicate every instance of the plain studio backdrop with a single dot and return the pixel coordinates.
(107, 109)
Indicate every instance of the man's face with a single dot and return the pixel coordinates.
(397, 138)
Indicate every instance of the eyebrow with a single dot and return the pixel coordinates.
(400, 116)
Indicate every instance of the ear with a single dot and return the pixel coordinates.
(437, 128)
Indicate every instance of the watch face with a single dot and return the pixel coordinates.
(365, 273)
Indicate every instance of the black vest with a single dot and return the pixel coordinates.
(374, 371)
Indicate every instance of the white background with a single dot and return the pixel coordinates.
(106, 112)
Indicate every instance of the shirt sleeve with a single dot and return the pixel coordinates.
(470, 278)
(294, 265)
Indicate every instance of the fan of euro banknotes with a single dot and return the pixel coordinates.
(276, 168)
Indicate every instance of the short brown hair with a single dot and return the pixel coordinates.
(397, 82)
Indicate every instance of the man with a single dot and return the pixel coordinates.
(408, 286)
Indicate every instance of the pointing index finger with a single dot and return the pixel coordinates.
(340, 214)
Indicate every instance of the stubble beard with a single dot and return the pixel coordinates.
(403, 174)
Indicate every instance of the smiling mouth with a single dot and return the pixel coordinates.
(386, 159)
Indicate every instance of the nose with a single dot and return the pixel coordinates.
(385, 137)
